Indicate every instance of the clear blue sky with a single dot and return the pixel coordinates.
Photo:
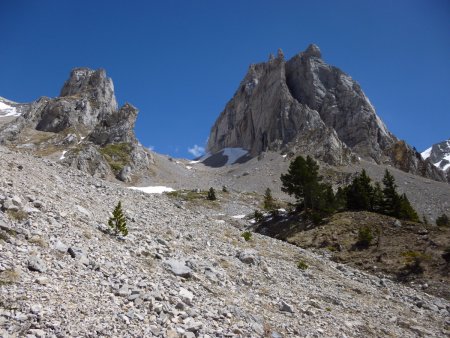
(179, 62)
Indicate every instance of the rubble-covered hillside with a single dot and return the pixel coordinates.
(178, 273)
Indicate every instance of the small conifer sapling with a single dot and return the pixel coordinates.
(211, 194)
(117, 221)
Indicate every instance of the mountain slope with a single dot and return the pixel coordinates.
(105, 286)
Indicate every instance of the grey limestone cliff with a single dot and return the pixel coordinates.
(308, 106)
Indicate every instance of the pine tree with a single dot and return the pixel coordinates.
(117, 221)
(359, 192)
(269, 202)
(303, 181)
(406, 211)
(376, 200)
(391, 199)
(443, 220)
(340, 199)
(211, 194)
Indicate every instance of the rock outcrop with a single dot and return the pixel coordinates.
(84, 123)
(308, 106)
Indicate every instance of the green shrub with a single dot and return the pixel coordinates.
(259, 216)
(302, 265)
(414, 261)
(117, 221)
(19, 215)
(269, 202)
(365, 237)
(211, 194)
(117, 155)
(247, 235)
(442, 221)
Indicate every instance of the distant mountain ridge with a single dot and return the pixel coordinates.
(307, 106)
(439, 155)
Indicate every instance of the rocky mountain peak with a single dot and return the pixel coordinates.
(305, 105)
(313, 51)
(91, 84)
(439, 155)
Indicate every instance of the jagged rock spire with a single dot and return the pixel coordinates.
(313, 50)
(280, 54)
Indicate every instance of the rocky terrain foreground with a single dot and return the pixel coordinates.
(179, 272)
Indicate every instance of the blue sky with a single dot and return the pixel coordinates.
(180, 62)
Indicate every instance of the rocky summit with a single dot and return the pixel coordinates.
(83, 128)
(305, 105)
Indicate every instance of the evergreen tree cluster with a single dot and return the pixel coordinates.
(361, 194)
(318, 200)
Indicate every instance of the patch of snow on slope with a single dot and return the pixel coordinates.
(153, 189)
(239, 216)
(7, 110)
(426, 153)
(234, 154)
(62, 156)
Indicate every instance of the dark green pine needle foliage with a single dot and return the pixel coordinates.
(117, 221)
(211, 194)
(303, 181)
(269, 202)
(318, 200)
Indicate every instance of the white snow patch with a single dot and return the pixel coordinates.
(239, 216)
(426, 153)
(284, 156)
(188, 167)
(7, 110)
(234, 154)
(81, 139)
(62, 156)
(194, 162)
(153, 189)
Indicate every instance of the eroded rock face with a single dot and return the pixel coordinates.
(305, 105)
(263, 115)
(87, 114)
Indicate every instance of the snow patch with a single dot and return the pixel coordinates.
(188, 167)
(425, 154)
(153, 189)
(234, 154)
(239, 216)
(63, 155)
(7, 110)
